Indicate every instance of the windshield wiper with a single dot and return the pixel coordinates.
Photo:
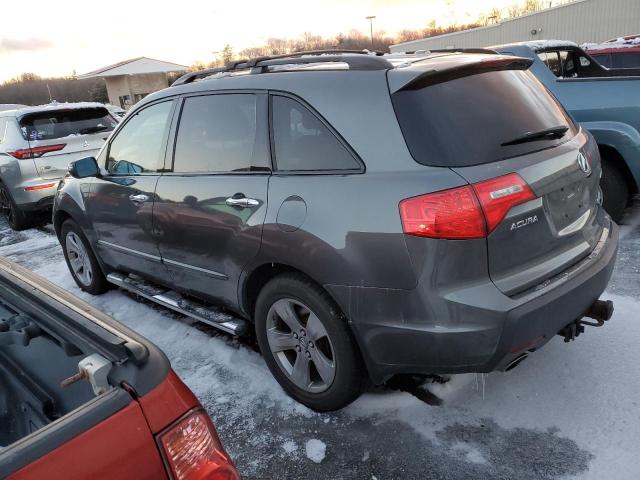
(96, 129)
(546, 134)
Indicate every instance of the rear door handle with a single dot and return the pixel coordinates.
(139, 198)
(242, 202)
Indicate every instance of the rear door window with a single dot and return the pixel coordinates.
(140, 145)
(302, 142)
(474, 119)
(48, 125)
(218, 133)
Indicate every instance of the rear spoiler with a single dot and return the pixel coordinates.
(28, 112)
(465, 69)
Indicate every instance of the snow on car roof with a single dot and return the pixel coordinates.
(539, 44)
(542, 44)
(56, 106)
(629, 41)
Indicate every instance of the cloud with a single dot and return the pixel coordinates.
(23, 45)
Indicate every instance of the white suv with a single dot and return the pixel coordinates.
(36, 146)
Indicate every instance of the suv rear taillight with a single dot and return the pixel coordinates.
(35, 152)
(472, 211)
(193, 451)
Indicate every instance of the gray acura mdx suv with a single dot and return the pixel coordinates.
(365, 216)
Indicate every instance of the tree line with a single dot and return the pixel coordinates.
(31, 89)
(356, 40)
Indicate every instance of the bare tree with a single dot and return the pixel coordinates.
(30, 89)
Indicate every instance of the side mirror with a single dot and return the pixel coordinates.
(83, 168)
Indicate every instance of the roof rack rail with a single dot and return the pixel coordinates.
(356, 59)
(464, 50)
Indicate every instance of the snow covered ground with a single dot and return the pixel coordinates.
(569, 411)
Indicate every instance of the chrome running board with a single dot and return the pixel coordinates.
(175, 301)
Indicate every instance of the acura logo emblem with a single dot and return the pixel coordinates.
(584, 164)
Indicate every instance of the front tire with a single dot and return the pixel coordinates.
(16, 218)
(307, 344)
(82, 262)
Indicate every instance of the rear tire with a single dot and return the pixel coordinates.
(331, 373)
(615, 190)
(16, 217)
(82, 262)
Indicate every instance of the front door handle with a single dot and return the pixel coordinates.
(139, 198)
(243, 202)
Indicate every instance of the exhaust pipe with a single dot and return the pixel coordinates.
(516, 361)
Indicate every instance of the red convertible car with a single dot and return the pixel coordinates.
(83, 397)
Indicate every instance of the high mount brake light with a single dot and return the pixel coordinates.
(35, 152)
(472, 211)
(193, 451)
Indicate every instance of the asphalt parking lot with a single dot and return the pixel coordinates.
(570, 410)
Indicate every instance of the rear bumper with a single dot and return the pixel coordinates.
(40, 199)
(474, 329)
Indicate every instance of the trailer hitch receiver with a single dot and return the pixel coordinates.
(600, 311)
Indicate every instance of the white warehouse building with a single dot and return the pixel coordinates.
(580, 21)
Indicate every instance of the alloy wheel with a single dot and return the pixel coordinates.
(79, 259)
(301, 345)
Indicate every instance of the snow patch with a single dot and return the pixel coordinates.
(316, 450)
(540, 44)
(471, 454)
(289, 446)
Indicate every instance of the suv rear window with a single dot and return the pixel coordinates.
(48, 125)
(465, 121)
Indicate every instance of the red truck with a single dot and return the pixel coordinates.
(83, 397)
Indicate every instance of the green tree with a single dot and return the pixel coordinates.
(98, 92)
(227, 53)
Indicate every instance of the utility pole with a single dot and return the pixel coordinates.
(370, 18)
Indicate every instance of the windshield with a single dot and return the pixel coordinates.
(48, 125)
(473, 120)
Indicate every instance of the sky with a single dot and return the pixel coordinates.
(52, 38)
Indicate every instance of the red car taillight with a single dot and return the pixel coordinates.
(498, 195)
(472, 211)
(35, 152)
(193, 451)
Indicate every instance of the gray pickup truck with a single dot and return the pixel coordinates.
(604, 101)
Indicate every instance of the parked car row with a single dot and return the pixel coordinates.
(436, 213)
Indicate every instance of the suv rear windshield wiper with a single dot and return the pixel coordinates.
(96, 129)
(548, 133)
